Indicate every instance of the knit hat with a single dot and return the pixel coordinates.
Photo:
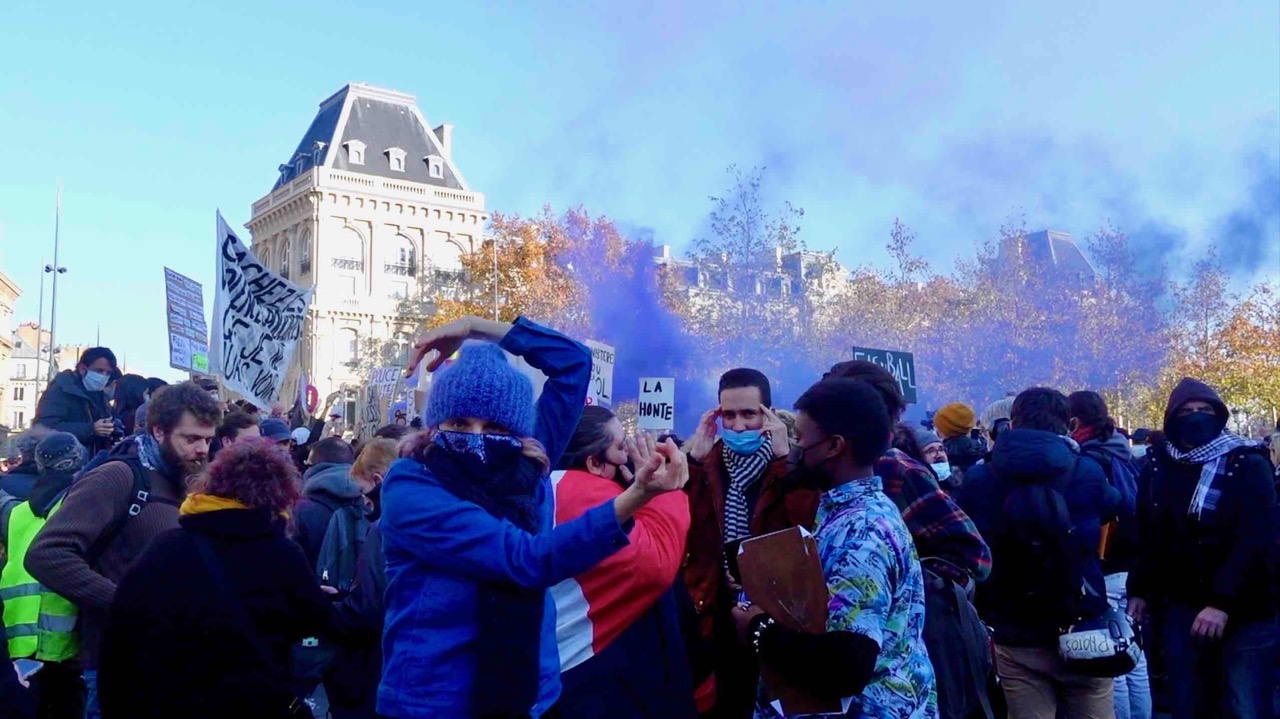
(996, 411)
(953, 420)
(924, 437)
(483, 384)
(60, 452)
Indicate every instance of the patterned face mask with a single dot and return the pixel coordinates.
(488, 453)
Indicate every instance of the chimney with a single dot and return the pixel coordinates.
(666, 252)
(445, 134)
(777, 255)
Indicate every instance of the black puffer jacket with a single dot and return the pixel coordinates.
(68, 407)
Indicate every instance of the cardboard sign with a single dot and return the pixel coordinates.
(902, 365)
(188, 333)
(657, 408)
(377, 398)
(600, 392)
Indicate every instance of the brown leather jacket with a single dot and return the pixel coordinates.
(777, 507)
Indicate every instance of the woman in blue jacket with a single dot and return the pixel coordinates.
(467, 527)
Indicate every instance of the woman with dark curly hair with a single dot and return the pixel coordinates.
(202, 624)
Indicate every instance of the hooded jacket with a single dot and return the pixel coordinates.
(18, 481)
(325, 488)
(77, 556)
(172, 648)
(67, 406)
(1123, 542)
(1225, 558)
(1023, 456)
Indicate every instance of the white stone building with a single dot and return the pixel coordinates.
(9, 294)
(28, 372)
(371, 210)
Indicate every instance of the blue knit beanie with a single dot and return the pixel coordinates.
(483, 384)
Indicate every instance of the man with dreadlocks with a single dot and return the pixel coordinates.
(1207, 522)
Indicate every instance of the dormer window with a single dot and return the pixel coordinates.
(355, 152)
(317, 153)
(396, 157)
(435, 166)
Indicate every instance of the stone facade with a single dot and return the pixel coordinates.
(28, 372)
(375, 229)
(9, 294)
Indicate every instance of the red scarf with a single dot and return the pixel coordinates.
(1084, 433)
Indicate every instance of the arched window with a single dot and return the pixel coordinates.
(445, 257)
(348, 254)
(304, 253)
(263, 254)
(402, 257)
(285, 242)
(346, 348)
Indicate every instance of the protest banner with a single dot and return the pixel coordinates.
(188, 333)
(377, 397)
(258, 318)
(902, 365)
(657, 408)
(600, 391)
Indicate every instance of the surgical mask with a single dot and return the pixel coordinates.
(748, 441)
(1140, 451)
(942, 469)
(95, 382)
(1197, 429)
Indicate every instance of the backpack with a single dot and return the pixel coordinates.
(340, 549)
(1122, 474)
(1040, 565)
(959, 646)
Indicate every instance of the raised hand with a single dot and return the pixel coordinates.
(639, 448)
(667, 470)
(777, 430)
(705, 437)
(447, 339)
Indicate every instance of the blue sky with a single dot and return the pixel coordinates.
(1163, 117)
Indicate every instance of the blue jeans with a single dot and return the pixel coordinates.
(1132, 691)
(1234, 675)
(91, 710)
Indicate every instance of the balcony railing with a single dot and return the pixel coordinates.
(450, 276)
(348, 263)
(404, 269)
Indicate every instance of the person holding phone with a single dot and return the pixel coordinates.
(737, 462)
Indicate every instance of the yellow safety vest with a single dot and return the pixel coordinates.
(38, 623)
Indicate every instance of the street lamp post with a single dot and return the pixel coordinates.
(56, 269)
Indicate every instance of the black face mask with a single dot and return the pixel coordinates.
(803, 475)
(1197, 429)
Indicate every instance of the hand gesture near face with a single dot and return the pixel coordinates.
(705, 437)
(777, 430)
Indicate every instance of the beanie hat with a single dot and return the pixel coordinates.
(60, 452)
(953, 420)
(996, 411)
(924, 437)
(483, 384)
(23, 446)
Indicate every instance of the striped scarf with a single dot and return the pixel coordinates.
(1212, 460)
(744, 470)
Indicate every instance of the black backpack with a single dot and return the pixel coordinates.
(340, 550)
(1040, 563)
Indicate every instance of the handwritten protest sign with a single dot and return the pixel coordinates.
(657, 408)
(257, 321)
(600, 391)
(377, 399)
(902, 365)
(188, 333)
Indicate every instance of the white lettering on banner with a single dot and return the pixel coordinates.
(600, 391)
(657, 409)
(257, 321)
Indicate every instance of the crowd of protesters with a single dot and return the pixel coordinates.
(167, 554)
